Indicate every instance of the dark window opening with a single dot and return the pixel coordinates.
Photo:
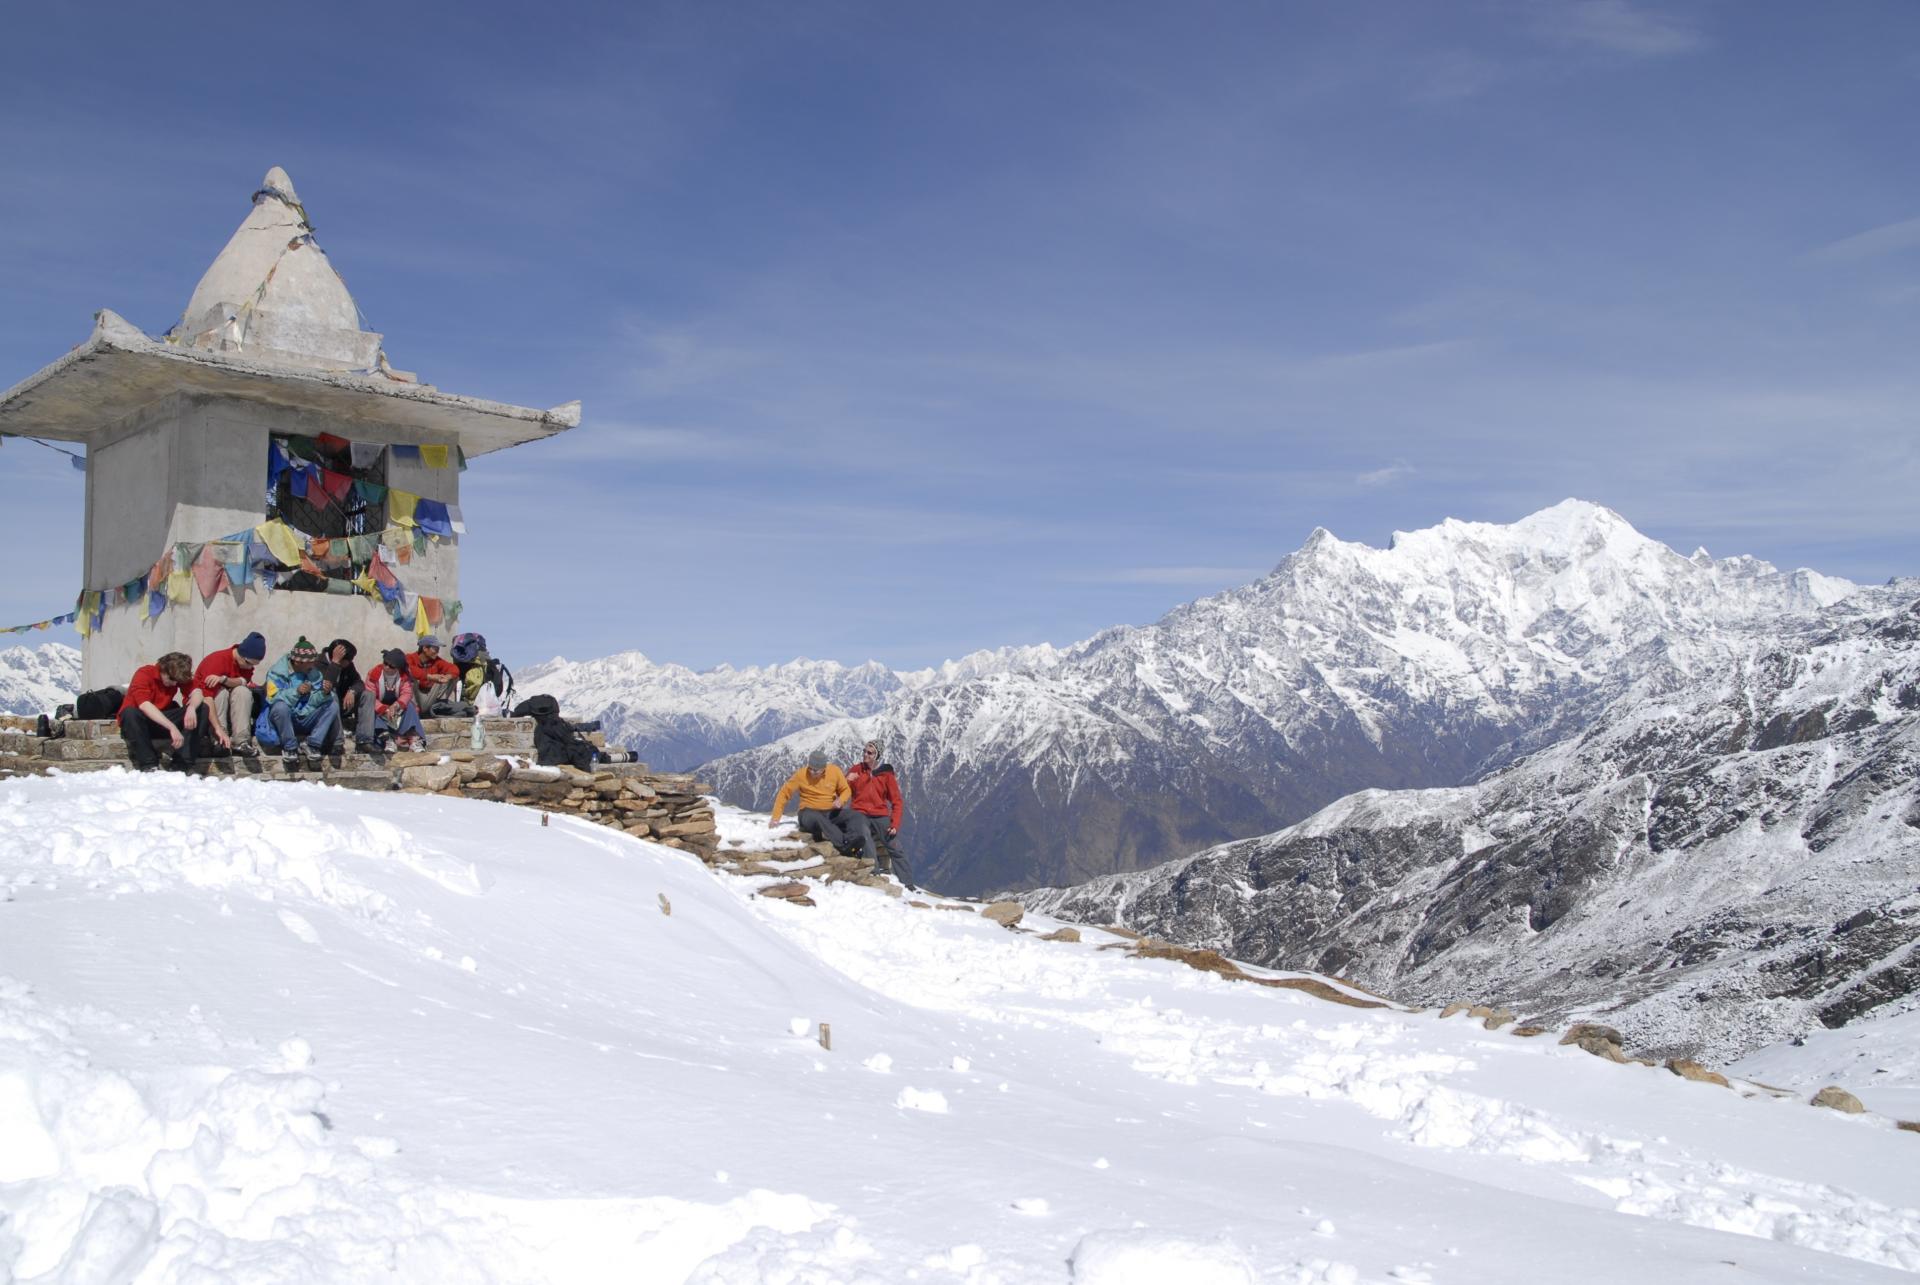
(332, 507)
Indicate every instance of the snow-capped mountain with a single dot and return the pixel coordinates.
(1728, 864)
(1427, 663)
(678, 717)
(35, 680)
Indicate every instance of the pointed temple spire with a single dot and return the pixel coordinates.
(272, 295)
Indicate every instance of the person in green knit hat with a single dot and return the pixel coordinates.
(301, 704)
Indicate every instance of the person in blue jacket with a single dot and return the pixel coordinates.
(301, 704)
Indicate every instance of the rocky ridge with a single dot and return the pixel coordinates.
(1710, 867)
(1425, 664)
(36, 680)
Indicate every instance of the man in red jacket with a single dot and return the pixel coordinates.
(877, 802)
(436, 682)
(150, 713)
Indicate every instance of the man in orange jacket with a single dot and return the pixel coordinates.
(823, 801)
(877, 802)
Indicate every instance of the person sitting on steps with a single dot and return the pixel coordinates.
(224, 680)
(337, 660)
(388, 707)
(301, 706)
(436, 682)
(148, 712)
(878, 806)
(824, 795)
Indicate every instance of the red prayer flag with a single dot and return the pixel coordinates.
(336, 485)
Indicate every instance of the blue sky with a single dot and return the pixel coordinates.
(905, 330)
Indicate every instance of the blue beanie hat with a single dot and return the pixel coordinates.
(253, 646)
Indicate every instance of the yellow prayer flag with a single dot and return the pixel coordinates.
(180, 587)
(433, 456)
(400, 506)
(281, 540)
(420, 624)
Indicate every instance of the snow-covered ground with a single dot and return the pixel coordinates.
(278, 1032)
(1878, 1059)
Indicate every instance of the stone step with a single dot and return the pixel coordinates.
(68, 750)
(106, 729)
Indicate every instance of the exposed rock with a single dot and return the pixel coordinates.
(1004, 913)
(1454, 1009)
(1688, 1069)
(1835, 1098)
(1494, 1019)
(785, 891)
(1601, 1041)
(1061, 934)
(434, 776)
(1209, 961)
(492, 770)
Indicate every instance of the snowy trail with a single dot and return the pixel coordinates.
(281, 1032)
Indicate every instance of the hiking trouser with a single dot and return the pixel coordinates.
(369, 723)
(830, 827)
(315, 729)
(872, 833)
(144, 738)
(884, 850)
(441, 699)
(232, 714)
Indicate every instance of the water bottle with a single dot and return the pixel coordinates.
(479, 738)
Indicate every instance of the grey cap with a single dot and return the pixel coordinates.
(427, 640)
(817, 760)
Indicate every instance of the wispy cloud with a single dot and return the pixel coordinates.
(1887, 239)
(1615, 26)
(1171, 575)
(1382, 476)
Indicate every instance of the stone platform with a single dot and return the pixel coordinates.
(93, 744)
(664, 807)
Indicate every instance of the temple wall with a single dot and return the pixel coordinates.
(194, 469)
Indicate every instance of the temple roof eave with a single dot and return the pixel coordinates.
(119, 370)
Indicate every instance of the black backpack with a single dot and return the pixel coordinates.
(555, 740)
(537, 707)
(103, 703)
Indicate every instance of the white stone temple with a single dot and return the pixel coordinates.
(178, 432)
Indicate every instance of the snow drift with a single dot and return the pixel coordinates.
(280, 1032)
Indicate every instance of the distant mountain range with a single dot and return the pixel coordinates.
(35, 680)
(1552, 764)
(1710, 867)
(1429, 663)
(678, 718)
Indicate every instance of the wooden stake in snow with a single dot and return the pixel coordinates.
(666, 907)
(543, 818)
(826, 1036)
